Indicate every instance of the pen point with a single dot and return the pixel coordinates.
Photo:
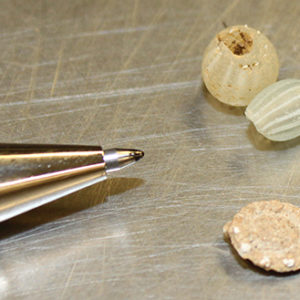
(138, 154)
(116, 159)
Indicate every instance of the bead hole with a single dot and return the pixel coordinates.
(237, 41)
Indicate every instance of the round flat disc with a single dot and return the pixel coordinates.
(268, 234)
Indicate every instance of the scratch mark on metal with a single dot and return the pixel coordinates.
(60, 54)
(111, 31)
(113, 93)
(68, 280)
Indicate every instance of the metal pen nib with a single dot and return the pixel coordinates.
(116, 159)
(33, 175)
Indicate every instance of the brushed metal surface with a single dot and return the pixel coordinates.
(127, 74)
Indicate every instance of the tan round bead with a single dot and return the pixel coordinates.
(238, 63)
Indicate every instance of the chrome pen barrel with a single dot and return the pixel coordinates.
(33, 175)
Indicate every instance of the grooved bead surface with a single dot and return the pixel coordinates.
(275, 112)
(238, 63)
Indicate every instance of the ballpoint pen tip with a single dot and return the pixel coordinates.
(138, 154)
(116, 159)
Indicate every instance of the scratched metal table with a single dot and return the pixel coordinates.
(127, 74)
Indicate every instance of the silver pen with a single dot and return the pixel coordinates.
(33, 175)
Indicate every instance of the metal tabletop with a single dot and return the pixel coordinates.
(127, 74)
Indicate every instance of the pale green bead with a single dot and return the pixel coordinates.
(275, 111)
